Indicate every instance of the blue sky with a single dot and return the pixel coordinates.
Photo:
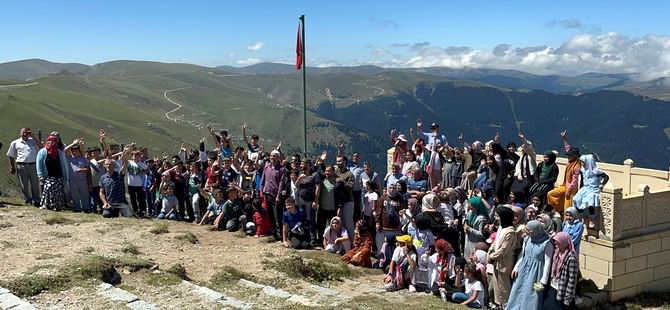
(338, 32)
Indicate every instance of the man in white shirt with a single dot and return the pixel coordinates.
(22, 154)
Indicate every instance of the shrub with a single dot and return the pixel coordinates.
(161, 228)
(58, 219)
(190, 237)
(130, 248)
(298, 267)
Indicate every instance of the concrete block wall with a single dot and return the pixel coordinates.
(628, 267)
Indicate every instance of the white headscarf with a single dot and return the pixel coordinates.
(590, 167)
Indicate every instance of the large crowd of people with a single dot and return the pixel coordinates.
(473, 223)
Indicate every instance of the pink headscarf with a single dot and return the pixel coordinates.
(563, 247)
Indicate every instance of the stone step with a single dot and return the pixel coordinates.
(116, 294)
(226, 301)
(11, 301)
(275, 292)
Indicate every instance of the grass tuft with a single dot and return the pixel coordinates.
(161, 228)
(178, 270)
(7, 244)
(48, 256)
(229, 276)
(88, 249)
(58, 219)
(313, 270)
(133, 263)
(189, 237)
(95, 267)
(130, 248)
(163, 279)
(61, 234)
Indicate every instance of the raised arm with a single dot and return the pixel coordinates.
(392, 139)
(101, 138)
(466, 145)
(564, 136)
(124, 158)
(419, 131)
(340, 149)
(244, 133)
(68, 148)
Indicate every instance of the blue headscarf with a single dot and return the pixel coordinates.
(536, 232)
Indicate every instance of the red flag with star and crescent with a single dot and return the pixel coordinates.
(298, 52)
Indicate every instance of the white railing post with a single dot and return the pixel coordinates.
(628, 165)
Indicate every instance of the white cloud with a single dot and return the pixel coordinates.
(248, 61)
(607, 53)
(377, 52)
(256, 46)
(231, 55)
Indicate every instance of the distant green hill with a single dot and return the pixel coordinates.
(31, 68)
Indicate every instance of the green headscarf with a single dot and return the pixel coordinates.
(480, 209)
(546, 167)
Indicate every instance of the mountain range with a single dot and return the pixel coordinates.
(163, 104)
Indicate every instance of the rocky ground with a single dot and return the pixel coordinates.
(58, 260)
(64, 260)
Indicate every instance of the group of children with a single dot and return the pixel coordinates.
(479, 225)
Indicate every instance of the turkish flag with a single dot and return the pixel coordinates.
(298, 52)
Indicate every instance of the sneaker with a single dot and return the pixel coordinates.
(412, 289)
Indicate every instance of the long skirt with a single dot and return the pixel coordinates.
(53, 194)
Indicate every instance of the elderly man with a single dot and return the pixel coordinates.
(273, 186)
(22, 154)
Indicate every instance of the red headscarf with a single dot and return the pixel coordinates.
(53, 149)
(444, 247)
(563, 247)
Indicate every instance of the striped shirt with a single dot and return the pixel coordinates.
(113, 186)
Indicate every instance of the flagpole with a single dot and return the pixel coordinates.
(304, 86)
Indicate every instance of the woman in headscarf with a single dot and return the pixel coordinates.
(545, 176)
(531, 271)
(361, 250)
(436, 223)
(53, 173)
(564, 274)
(335, 238)
(588, 197)
(474, 225)
(387, 214)
(574, 227)
(547, 224)
(441, 270)
(501, 255)
(524, 171)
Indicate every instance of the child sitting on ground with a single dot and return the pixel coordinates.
(215, 206)
(232, 217)
(474, 290)
(169, 210)
(294, 232)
